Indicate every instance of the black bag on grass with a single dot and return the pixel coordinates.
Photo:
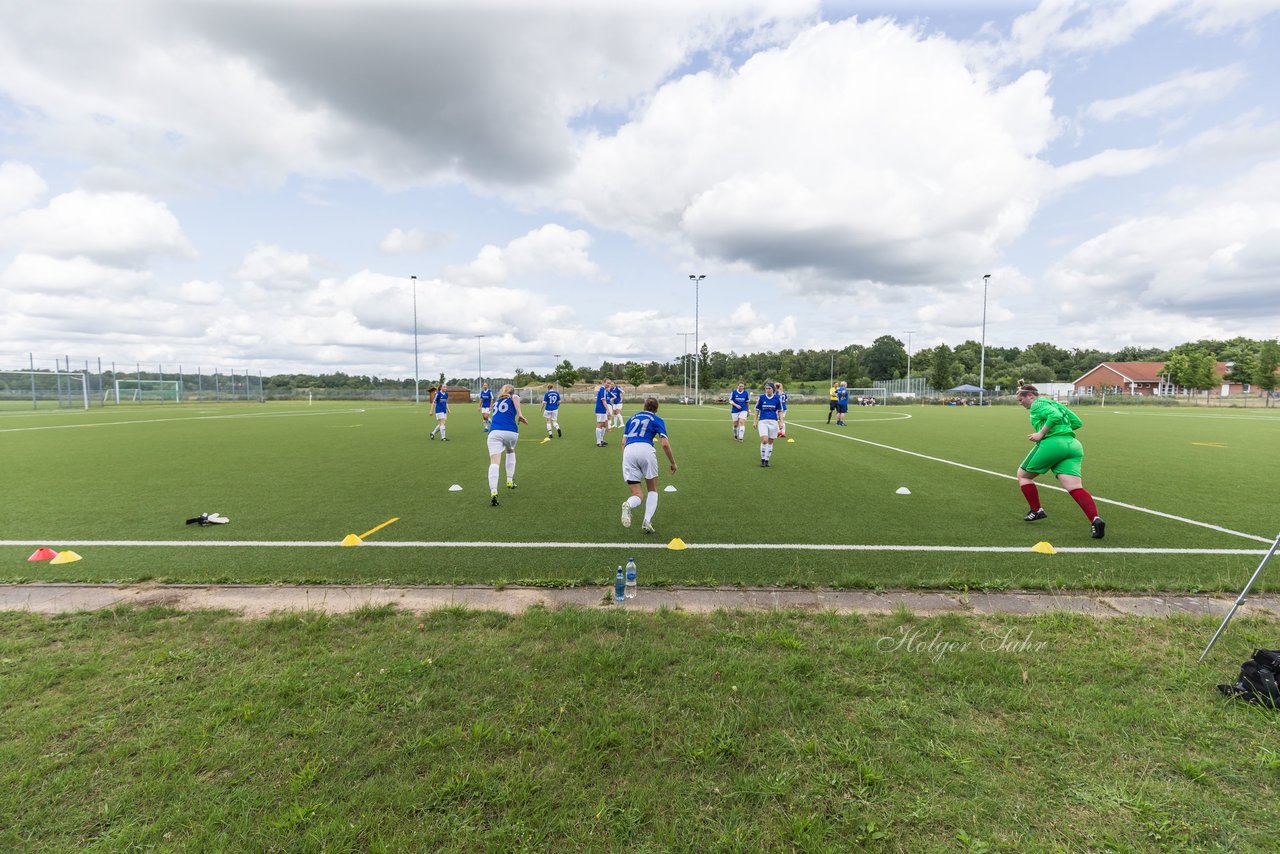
(1257, 682)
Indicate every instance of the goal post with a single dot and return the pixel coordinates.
(63, 389)
(139, 391)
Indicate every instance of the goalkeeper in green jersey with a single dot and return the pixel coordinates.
(1057, 450)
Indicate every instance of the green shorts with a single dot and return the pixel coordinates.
(1059, 454)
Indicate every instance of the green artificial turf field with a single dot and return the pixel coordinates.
(1184, 492)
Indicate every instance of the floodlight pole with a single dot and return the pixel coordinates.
(684, 364)
(416, 382)
(982, 368)
(697, 353)
(479, 362)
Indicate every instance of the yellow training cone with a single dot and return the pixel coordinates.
(65, 557)
(677, 544)
(1043, 548)
(351, 540)
(791, 441)
(545, 440)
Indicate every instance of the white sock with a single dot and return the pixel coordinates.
(511, 465)
(435, 429)
(768, 451)
(633, 502)
(441, 432)
(599, 435)
(493, 477)
(650, 506)
(555, 424)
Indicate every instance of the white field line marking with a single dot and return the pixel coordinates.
(182, 418)
(1045, 486)
(888, 416)
(810, 547)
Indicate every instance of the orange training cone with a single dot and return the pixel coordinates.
(42, 554)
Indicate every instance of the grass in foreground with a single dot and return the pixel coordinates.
(608, 731)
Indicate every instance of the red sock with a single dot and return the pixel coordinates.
(1032, 495)
(1085, 500)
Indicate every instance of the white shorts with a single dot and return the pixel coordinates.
(484, 410)
(502, 440)
(551, 414)
(440, 416)
(768, 429)
(639, 462)
(738, 416)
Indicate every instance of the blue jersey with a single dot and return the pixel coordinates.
(442, 401)
(551, 401)
(739, 400)
(644, 426)
(486, 397)
(602, 394)
(615, 395)
(768, 406)
(782, 396)
(842, 396)
(504, 415)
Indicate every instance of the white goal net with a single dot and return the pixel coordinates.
(37, 389)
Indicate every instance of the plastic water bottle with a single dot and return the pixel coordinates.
(631, 578)
(619, 586)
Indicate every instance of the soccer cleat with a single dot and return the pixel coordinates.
(559, 435)
(433, 437)
(626, 515)
(1099, 528)
(763, 463)
(647, 528)
(1034, 515)
(511, 484)
(444, 438)
(493, 498)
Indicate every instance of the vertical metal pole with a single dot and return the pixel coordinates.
(697, 349)
(982, 370)
(32, 357)
(416, 398)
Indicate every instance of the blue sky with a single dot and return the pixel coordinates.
(253, 184)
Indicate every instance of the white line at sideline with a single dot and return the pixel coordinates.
(477, 544)
(1096, 498)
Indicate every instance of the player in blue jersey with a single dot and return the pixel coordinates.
(486, 403)
(441, 401)
(842, 403)
(739, 408)
(551, 409)
(504, 429)
(782, 413)
(640, 461)
(602, 411)
(615, 406)
(768, 407)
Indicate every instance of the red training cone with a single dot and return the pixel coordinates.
(42, 554)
